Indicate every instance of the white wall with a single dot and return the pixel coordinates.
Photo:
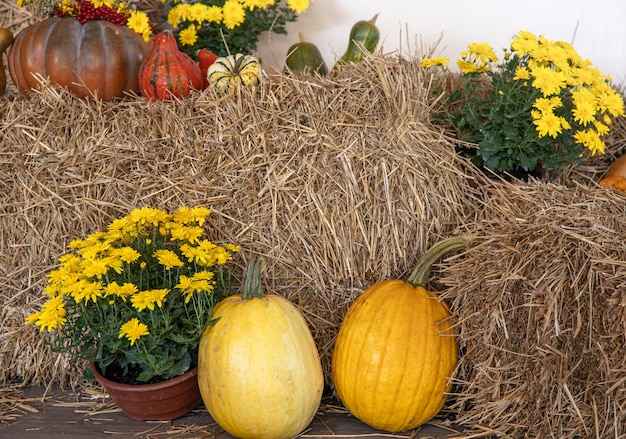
(596, 29)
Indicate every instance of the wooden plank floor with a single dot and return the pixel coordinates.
(54, 414)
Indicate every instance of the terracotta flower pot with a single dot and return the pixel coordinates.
(162, 401)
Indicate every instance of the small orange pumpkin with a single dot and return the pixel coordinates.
(616, 175)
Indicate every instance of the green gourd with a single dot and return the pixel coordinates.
(305, 57)
(364, 34)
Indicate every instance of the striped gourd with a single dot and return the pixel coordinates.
(233, 71)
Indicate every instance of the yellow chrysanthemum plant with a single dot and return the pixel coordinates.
(115, 11)
(229, 26)
(135, 298)
(541, 107)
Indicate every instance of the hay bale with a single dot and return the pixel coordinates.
(540, 300)
(338, 182)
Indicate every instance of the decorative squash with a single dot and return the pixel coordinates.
(396, 350)
(616, 182)
(96, 58)
(616, 175)
(363, 35)
(234, 71)
(305, 57)
(259, 372)
(205, 59)
(6, 38)
(168, 72)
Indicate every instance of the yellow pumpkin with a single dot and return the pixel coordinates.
(396, 351)
(259, 371)
(234, 71)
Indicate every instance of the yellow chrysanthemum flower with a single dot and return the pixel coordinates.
(168, 259)
(122, 291)
(482, 52)
(434, 62)
(298, 5)
(466, 67)
(133, 330)
(140, 23)
(234, 14)
(549, 124)
(591, 140)
(199, 282)
(584, 113)
(52, 315)
(148, 299)
(190, 234)
(126, 254)
(522, 74)
(188, 36)
(548, 81)
(84, 290)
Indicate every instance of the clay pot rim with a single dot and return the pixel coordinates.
(148, 387)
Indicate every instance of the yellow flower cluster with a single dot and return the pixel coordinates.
(112, 267)
(477, 58)
(115, 11)
(563, 79)
(554, 67)
(230, 15)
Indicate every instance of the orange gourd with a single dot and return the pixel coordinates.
(167, 72)
(205, 59)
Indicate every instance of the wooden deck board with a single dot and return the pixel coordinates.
(69, 415)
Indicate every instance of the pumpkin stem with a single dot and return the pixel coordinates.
(421, 273)
(252, 284)
(238, 62)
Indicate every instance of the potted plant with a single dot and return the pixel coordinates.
(229, 26)
(541, 107)
(92, 47)
(133, 301)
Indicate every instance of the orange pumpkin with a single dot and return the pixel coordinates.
(616, 175)
(96, 58)
(396, 350)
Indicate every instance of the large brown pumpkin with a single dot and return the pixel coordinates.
(96, 58)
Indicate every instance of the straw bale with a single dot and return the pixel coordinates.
(338, 182)
(540, 302)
